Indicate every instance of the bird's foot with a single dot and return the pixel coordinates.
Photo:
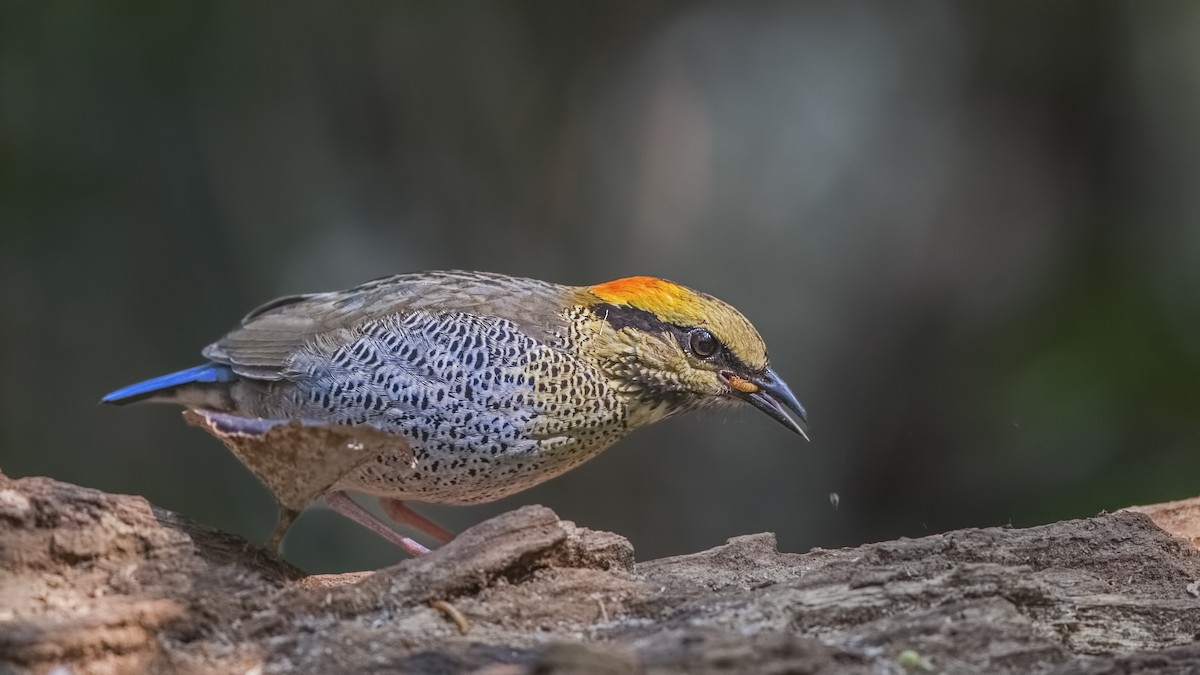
(403, 514)
(342, 503)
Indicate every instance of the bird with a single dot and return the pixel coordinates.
(490, 384)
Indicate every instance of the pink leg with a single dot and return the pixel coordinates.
(342, 503)
(400, 512)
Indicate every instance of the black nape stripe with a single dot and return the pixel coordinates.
(624, 316)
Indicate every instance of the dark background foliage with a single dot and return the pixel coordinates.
(968, 232)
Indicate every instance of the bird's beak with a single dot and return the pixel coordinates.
(771, 395)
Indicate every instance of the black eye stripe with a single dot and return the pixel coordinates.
(624, 316)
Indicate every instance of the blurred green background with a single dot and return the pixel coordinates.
(968, 231)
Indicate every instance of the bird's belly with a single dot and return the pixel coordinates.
(463, 474)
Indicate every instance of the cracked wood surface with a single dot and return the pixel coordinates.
(103, 583)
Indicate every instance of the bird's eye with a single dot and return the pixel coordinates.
(702, 343)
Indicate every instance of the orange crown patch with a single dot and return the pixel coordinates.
(649, 293)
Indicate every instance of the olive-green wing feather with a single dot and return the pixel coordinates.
(269, 335)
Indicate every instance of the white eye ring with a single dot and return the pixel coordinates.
(702, 343)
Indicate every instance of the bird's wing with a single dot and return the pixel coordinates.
(269, 335)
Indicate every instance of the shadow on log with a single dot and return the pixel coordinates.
(101, 583)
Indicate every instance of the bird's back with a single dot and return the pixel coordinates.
(271, 334)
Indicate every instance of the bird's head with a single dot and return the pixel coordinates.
(677, 349)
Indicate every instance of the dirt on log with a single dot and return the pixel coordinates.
(92, 582)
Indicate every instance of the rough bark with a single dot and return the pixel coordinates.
(104, 583)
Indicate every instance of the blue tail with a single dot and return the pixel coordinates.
(209, 372)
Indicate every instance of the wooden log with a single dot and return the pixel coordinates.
(103, 583)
